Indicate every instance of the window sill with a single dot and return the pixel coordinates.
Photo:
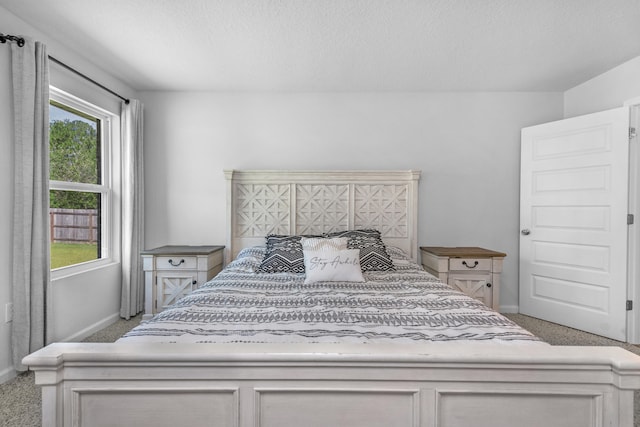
(77, 269)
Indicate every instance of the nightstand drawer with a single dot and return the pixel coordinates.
(472, 264)
(179, 262)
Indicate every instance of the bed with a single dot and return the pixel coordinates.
(264, 348)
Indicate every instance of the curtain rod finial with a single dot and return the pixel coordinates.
(9, 37)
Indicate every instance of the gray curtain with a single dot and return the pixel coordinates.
(132, 296)
(30, 70)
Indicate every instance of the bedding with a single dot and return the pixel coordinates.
(283, 254)
(373, 251)
(323, 243)
(403, 305)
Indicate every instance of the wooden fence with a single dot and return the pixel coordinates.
(73, 225)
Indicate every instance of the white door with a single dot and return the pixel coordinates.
(573, 222)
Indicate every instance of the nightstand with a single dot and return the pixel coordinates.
(170, 272)
(472, 270)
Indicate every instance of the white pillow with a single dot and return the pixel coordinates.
(332, 266)
(324, 243)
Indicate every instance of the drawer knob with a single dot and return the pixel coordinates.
(475, 264)
(488, 285)
(174, 264)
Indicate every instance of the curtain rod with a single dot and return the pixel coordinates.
(20, 41)
(73, 70)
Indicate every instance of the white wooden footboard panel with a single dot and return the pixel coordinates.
(122, 404)
(324, 385)
(333, 406)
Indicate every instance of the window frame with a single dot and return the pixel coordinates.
(108, 238)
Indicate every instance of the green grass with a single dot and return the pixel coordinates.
(63, 254)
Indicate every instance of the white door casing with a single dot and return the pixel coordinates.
(573, 218)
(633, 281)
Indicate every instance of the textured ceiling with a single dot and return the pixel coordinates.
(344, 45)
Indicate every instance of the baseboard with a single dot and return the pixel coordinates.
(7, 374)
(509, 309)
(92, 329)
(10, 373)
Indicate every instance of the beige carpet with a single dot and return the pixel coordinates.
(20, 399)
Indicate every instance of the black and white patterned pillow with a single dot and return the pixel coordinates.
(396, 253)
(373, 252)
(283, 255)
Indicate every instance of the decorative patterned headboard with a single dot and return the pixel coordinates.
(313, 202)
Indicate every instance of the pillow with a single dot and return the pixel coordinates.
(247, 260)
(396, 253)
(399, 257)
(332, 266)
(283, 255)
(373, 253)
(323, 243)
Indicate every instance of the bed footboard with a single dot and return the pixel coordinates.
(323, 385)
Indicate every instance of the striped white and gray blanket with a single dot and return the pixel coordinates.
(403, 306)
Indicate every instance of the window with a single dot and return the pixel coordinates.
(79, 181)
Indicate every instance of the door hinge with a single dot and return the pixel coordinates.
(629, 305)
(632, 133)
(630, 219)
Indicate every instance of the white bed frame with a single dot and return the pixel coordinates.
(242, 385)
(316, 202)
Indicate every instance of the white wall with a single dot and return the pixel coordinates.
(80, 303)
(606, 91)
(466, 144)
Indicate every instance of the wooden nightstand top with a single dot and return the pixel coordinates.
(182, 250)
(462, 252)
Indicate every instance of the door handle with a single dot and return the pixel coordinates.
(525, 232)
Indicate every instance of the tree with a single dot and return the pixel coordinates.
(73, 157)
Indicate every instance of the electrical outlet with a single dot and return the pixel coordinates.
(8, 312)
